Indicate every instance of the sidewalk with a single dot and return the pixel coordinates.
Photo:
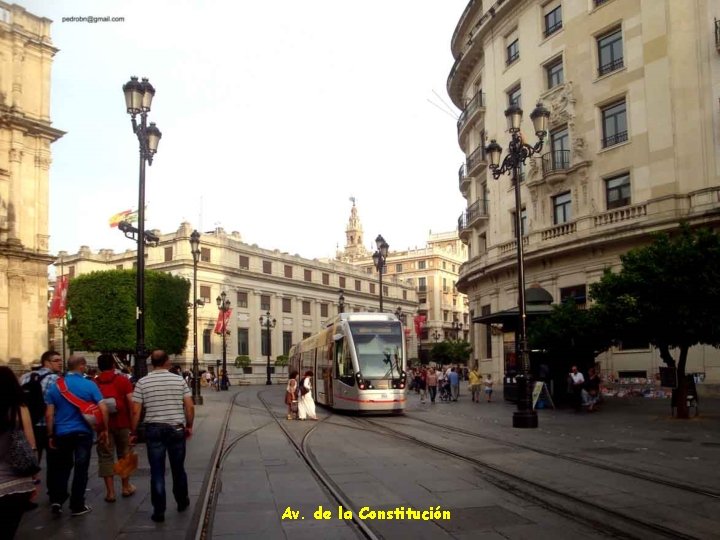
(129, 518)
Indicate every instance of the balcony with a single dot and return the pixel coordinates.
(610, 67)
(617, 138)
(475, 160)
(477, 103)
(717, 34)
(556, 162)
(463, 179)
(477, 210)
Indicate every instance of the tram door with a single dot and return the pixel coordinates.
(327, 373)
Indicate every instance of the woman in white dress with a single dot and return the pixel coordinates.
(306, 405)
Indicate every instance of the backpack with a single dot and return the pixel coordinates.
(34, 398)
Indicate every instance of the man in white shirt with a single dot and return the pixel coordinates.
(169, 415)
(576, 380)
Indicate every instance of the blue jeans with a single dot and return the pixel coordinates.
(72, 450)
(159, 440)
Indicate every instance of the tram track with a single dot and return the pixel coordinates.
(602, 519)
(704, 491)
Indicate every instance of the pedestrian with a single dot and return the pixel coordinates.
(291, 393)
(306, 405)
(207, 378)
(16, 490)
(432, 383)
(488, 384)
(169, 416)
(575, 384)
(591, 390)
(117, 388)
(70, 437)
(475, 384)
(423, 384)
(454, 378)
(46, 376)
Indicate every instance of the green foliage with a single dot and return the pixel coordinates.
(452, 351)
(103, 308)
(242, 361)
(282, 360)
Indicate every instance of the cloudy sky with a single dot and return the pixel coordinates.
(273, 114)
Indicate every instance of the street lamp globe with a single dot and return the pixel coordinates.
(493, 152)
(540, 117)
(195, 245)
(514, 117)
(153, 137)
(133, 91)
(148, 94)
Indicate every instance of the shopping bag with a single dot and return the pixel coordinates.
(126, 465)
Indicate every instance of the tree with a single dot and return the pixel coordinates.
(668, 294)
(452, 351)
(103, 311)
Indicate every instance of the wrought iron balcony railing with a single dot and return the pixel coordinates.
(555, 160)
(477, 101)
(462, 174)
(475, 158)
(717, 34)
(477, 209)
(617, 138)
(610, 67)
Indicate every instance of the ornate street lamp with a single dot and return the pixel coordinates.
(436, 335)
(379, 258)
(138, 98)
(223, 305)
(269, 323)
(341, 301)
(518, 152)
(195, 250)
(457, 328)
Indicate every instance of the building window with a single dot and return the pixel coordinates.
(553, 21)
(515, 96)
(614, 119)
(168, 254)
(484, 311)
(559, 152)
(617, 191)
(513, 51)
(205, 254)
(341, 279)
(404, 295)
(323, 310)
(265, 302)
(482, 243)
(445, 315)
(288, 271)
(422, 284)
(243, 341)
(265, 342)
(555, 73)
(610, 53)
(306, 307)
(421, 265)
(287, 342)
(287, 305)
(207, 341)
(358, 285)
(372, 288)
(523, 222)
(308, 275)
(242, 300)
(386, 291)
(205, 293)
(244, 262)
(267, 267)
(576, 294)
(306, 335)
(325, 279)
(119, 267)
(562, 209)
(398, 267)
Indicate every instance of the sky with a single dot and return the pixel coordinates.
(273, 114)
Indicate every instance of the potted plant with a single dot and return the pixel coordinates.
(243, 361)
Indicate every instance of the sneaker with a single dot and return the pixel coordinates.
(84, 510)
(182, 506)
(158, 518)
(56, 508)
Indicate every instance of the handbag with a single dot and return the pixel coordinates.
(126, 465)
(20, 455)
(91, 413)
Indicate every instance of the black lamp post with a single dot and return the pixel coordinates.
(379, 258)
(341, 301)
(436, 336)
(518, 152)
(138, 98)
(223, 305)
(269, 323)
(457, 328)
(195, 250)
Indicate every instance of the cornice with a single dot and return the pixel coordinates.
(11, 119)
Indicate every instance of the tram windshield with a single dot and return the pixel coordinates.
(378, 346)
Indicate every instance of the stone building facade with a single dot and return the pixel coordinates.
(26, 133)
(633, 89)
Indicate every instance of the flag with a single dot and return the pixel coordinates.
(419, 321)
(131, 216)
(219, 323)
(58, 304)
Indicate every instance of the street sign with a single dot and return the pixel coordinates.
(541, 389)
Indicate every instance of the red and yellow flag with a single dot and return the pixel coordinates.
(58, 304)
(131, 216)
(219, 323)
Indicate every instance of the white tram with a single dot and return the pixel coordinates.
(358, 363)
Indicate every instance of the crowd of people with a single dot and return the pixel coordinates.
(585, 393)
(298, 397)
(46, 413)
(445, 384)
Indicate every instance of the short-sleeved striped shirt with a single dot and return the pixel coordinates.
(161, 394)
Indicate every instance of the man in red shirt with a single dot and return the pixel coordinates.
(114, 386)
